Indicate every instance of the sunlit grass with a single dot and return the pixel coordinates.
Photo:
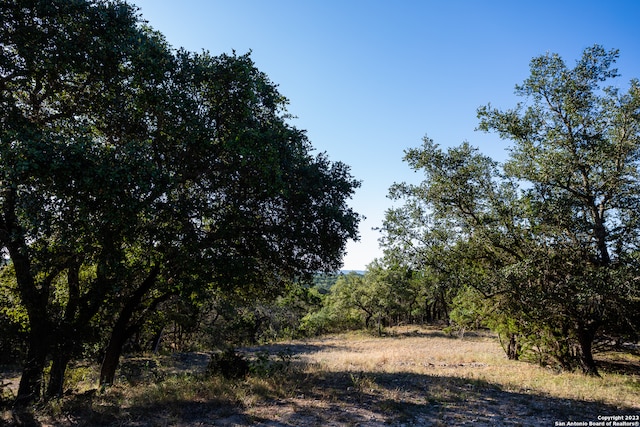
(474, 358)
(356, 376)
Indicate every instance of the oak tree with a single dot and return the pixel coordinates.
(552, 234)
(131, 173)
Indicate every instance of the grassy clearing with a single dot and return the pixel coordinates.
(411, 377)
(474, 358)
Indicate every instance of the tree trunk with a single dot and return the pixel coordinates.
(586, 335)
(112, 354)
(513, 348)
(445, 306)
(367, 320)
(155, 341)
(30, 388)
(35, 300)
(55, 387)
(121, 330)
(68, 335)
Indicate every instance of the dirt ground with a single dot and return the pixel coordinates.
(422, 380)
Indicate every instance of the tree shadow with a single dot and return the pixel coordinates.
(359, 398)
(346, 398)
(418, 399)
(618, 367)
(298, 349)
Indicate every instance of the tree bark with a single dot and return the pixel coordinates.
(67, 336)
(30, 388)
(513, 348)
(367, 320)
(445, 306)
(113, 353)
(586, 335)
(121, 331)
(35, 299)
(59, 365)
(155, 341)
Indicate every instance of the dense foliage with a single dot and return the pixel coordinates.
(135, 177)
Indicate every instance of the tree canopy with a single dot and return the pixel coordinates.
(131, 172)
(551, 235)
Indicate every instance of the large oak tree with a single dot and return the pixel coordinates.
(552, 234)
(131, 173)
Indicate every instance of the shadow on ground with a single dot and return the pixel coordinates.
(350, 399)
(344, 398)
(289, 348)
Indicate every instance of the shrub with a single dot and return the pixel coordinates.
(229, 364)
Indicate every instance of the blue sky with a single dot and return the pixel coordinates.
(368, 79)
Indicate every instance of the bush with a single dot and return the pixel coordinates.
(265, 365)
(229, 364)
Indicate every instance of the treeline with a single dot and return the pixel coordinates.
(383, 296)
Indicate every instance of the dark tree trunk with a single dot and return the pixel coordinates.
(30, 388)
(56, 376)
(113, 353)
(513, 348)
(123, 330)
(586, 335)
(445, 306)
(35, 300)
(367, 320)
(69, 334)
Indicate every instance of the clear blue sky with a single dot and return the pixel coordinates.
(368, 79)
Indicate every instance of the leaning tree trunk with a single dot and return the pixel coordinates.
(56, 376)
(113, 352)
(586, 335)
(122, 330)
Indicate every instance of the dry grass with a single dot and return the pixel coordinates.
(474, 358)
(424, 377)
(411, 377)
